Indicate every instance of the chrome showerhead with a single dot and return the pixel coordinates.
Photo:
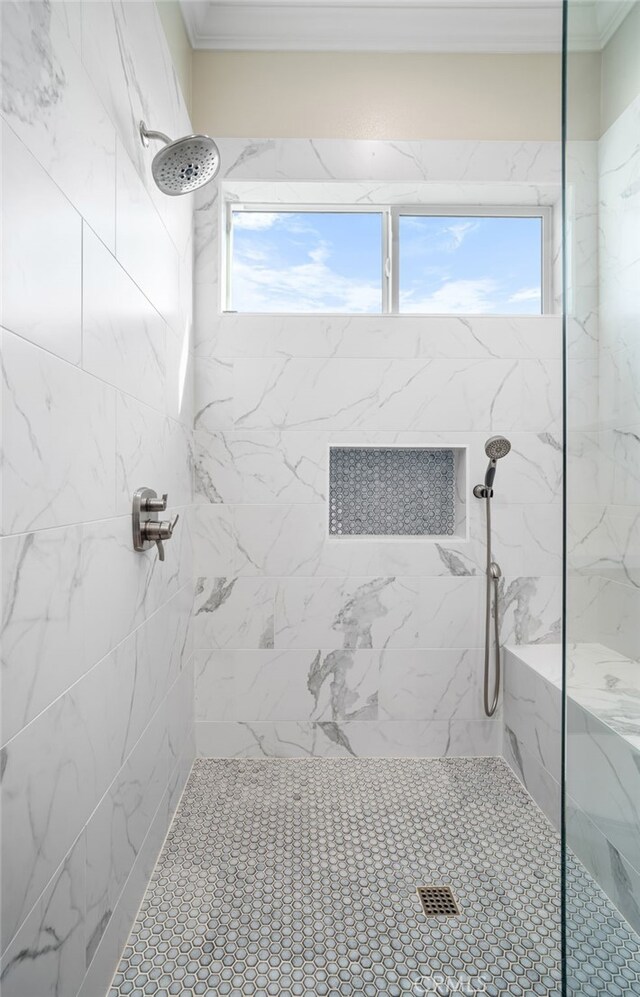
(183, 165)
(497, 447)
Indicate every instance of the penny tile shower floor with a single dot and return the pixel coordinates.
(299, 877)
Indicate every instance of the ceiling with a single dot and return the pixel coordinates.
(398, 25)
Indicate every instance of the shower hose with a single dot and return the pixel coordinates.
(492, 595)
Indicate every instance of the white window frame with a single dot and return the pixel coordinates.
(390, 233)
(543, 212)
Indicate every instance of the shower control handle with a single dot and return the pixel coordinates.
(155, 504)
(147, 529)
(156, 532)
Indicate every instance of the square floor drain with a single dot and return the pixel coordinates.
(438, 901)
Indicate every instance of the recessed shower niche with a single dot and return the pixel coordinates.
(397, 492)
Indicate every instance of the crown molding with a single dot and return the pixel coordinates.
(400, 25)
(375, 25)
(593, 23)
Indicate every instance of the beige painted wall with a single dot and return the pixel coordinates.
(179, 45)
(621, 68)
(583, 95)
(378, 95)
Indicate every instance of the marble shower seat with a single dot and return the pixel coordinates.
(603, 754)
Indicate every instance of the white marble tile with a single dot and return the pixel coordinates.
(617, 616)
(266, 466)
(441, 684)
(385, 739)
(605, 540)
(617, 454)
(126, 56)
(234, 612)
(46, 100)
(260, 467)
(530, 610)
(583, 607)
(153, 451)
(532, 472)
(46, 957)
(347, 613)
(144, 666)
(468, 161)
(178, 709)
(534, 777)
(597, 756)
(49, 787)
(41, 255)
(388, 336)
(59, 434)
(206, 243)
(59, 766)
(418, 395)
(143, 245)
(451, 612)
(619, 880)
(533, 712)
(291, 540)
(43, 622)
(118, 826)
(527, 539)
(211, 528)
(213, 395)
(605, 684)
(179, 384)
(287, 685)
(128, 586)
(69, 11)
(123, 337)
(107, 954)
(583, 324)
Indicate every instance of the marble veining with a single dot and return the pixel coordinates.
(603, 745)
(97, 676)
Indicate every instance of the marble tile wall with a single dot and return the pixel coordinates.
(602, 786)
(603, 522)
(310, 645)
(97, 670)
(605, 541)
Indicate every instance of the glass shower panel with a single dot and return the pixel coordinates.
(602, 413)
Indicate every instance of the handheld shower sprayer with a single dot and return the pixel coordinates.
(495, 448)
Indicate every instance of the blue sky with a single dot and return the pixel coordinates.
(331, 262)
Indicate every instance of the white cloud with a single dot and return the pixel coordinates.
(458, 233)
(474, 297)
(306, 287)
(320, 254)
(526, 294)
(254, 219)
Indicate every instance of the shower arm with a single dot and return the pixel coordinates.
(146, 134)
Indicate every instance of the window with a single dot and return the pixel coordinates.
(399, 260)
(306, 261)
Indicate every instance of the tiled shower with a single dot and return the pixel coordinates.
(284, 612)
(229, 771)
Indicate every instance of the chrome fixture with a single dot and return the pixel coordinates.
(495, 448)
(184, 164)
(147, 530)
